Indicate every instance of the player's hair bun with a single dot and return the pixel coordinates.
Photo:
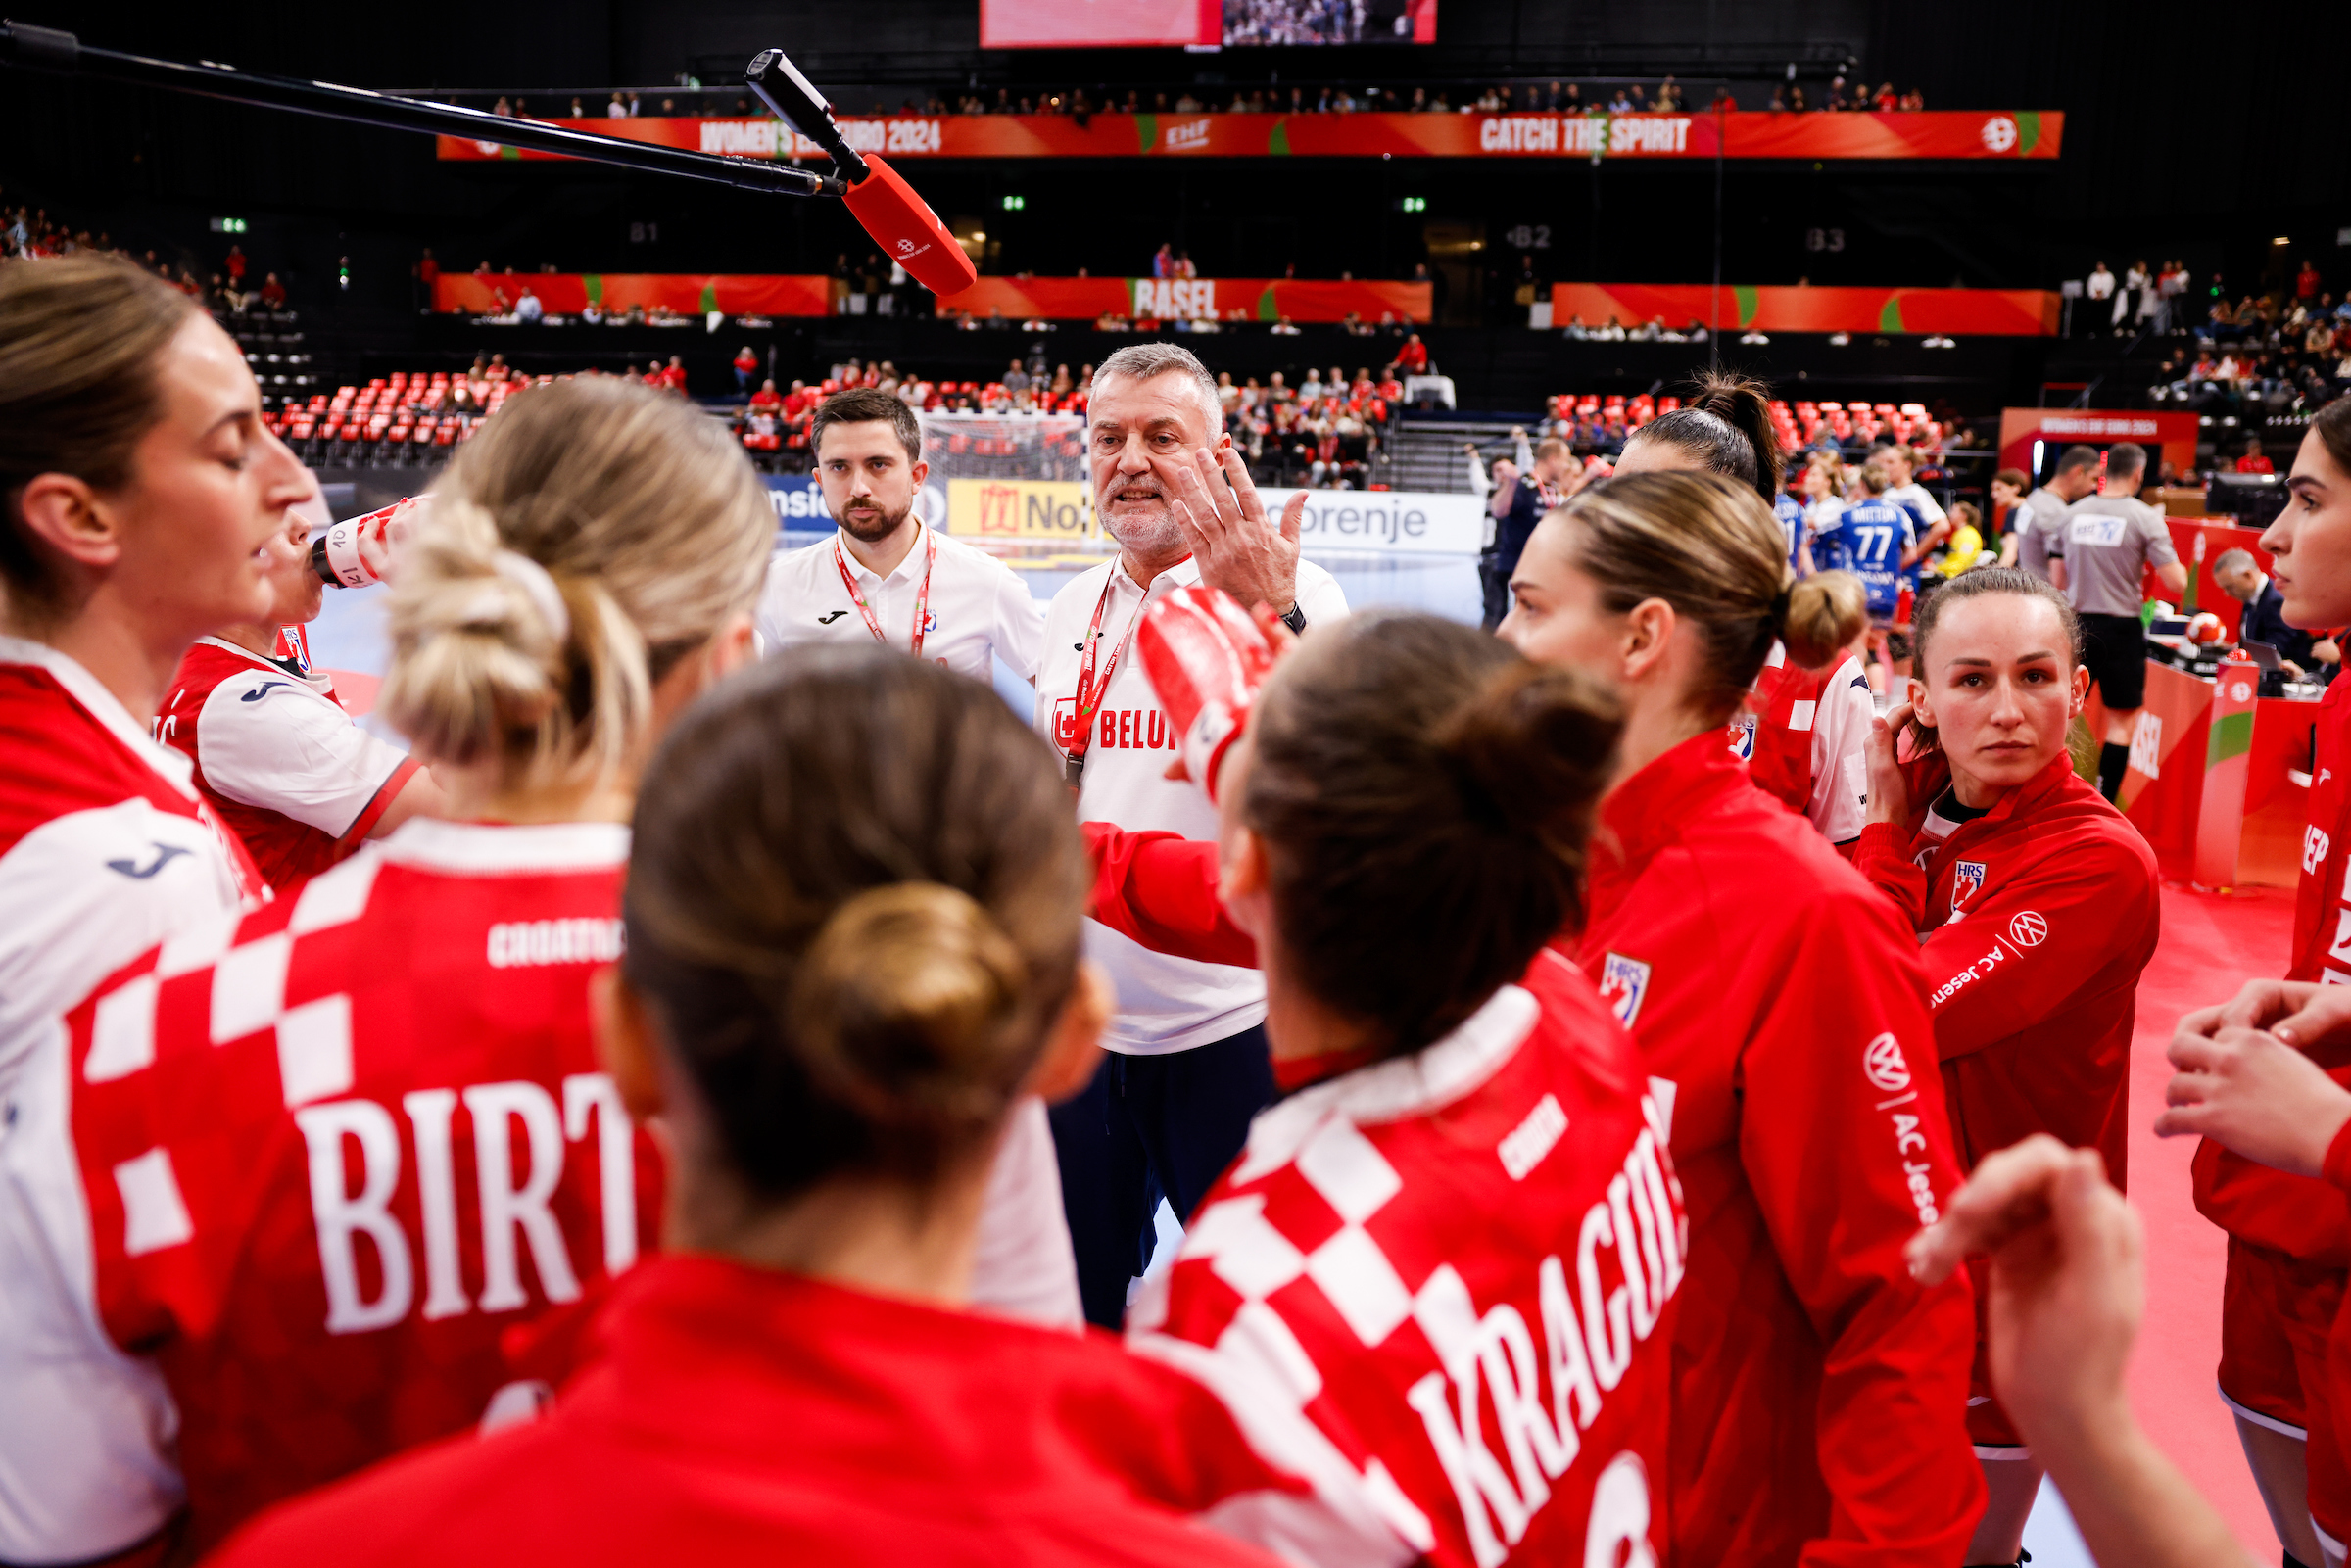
(1423, 794)
(902, 1002)
(1825, 612)
(854, 902)
(591, 536)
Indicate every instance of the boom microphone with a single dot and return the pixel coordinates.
(882, 203)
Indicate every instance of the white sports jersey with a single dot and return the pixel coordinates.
(1840, 725)
(980, 609)
(105, 850)
(279, 758)
(1916, 497)
(1165, 1003)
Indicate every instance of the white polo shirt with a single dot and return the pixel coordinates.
(980, 609)
(1165, 1003)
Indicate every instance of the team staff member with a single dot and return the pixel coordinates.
(1406, 761)
(1187, 1065)
(2040, 528)
(853, 922)
(276, 754)
(140, 502)
(333, 1155)
(2288, 1250)
(2108, 543)
(2263, 619)
(2035, 903)
(885, 576)
(1517, 503)
(1819, 1392)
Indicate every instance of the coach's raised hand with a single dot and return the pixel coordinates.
(1239, 549)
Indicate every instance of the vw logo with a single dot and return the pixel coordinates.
(1999, 134)
(1881, 1059)
(2029, 929)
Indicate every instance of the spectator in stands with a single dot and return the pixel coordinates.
(617, 109)
(1413, 358)
(2306, 281)
(529, 309)
(2100, 286)
(1623, 102)
(273, 293)
(673, 375)
(1015, 379)
(234, 265)
(747, 366)
(2253, 461)
(1284, 327)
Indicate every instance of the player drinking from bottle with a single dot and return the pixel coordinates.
(276, 753)
(333, 1153)
(1779, 1006)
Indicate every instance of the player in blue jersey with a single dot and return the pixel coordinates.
(1875, 540)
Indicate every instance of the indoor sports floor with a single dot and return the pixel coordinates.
(2211, 944)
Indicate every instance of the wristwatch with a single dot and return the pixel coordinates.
(1295, 620)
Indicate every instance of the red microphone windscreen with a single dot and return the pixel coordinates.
(909, 232)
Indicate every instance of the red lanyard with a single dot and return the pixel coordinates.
(922, 599)
(1088, 700)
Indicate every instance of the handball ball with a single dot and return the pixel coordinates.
(2205, 628)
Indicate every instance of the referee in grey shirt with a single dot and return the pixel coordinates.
(2043, 521)
(2100, 559)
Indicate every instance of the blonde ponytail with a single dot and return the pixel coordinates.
(591, 536)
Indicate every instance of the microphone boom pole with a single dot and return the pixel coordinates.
(49, 50)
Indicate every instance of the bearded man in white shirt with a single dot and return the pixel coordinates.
(1186, 1065)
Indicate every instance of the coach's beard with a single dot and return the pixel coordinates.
(1138, 514)
(872, 525)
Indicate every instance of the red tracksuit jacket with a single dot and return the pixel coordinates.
(2034, 921)
(1450, 1279)
(1819, 1392)
(2295, 1214)
(741, 1416)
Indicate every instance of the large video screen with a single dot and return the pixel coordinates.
(1202, 23)
(1253, 23)
(1098, 24)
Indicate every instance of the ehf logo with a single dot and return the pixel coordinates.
(2029, 929)
(1882, 1061)
(1743, 738)
(1967, 879)
(1624, 982)
(1999, 134)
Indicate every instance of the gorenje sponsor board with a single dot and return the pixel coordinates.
(1387, 522)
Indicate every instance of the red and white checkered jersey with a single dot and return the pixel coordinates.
(1447, 1278)
(105, 850)
(336, 1151)
(280, 759)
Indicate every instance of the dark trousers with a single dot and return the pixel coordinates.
(1148, 1128)
(1494, 586)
